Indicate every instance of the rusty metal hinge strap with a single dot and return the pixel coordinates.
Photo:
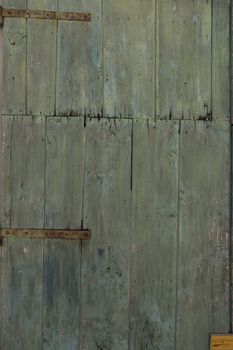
(38, 14)
(42, 233)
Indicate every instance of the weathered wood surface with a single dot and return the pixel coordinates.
(203, 251)
(136, 284)
(79, 61)
(154, 234)
(105, 261)
(5, 144)
(63, 209)
(41, 61)
(221, 60)
(183, 59)
(14, 72)
(134, 59)
(24, 268)
(38, 233)
(129, 57)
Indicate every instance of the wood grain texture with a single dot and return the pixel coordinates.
(5, 144)
(41, 61)
(154, 234)
(5, 154)
(221, 342)
(203, 265)
(42, 5)
(64, 172)
(183, 59)
(105, 261)
(62, 260)
(14, 61)
(129, 58)
(221, 60)
(79, 66)
(23, 271)
(14, 72)
(20, 4)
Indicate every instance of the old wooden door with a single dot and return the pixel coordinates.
(121, 126)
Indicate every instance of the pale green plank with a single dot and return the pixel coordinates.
(42, 5)
(20, 4)
(5, 142)
(183, 59)
(23, 283)
(14, 72)
(129, 57)
(154, 234)
(64, 172)
(79, 68)
(105, 259)
(41, 58)
(27, 172)
(203, 265)
(62, 259)
(5, 152)
(221, 60)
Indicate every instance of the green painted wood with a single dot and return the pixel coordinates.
(79, 66)
(154, 234)
(24, 268)
(14, 58)
(105, 259)
(15, 3)
(5, 142)
(5, 154)
(183, 59)
(221, 60)
(42, 5)
(41, 61)
(62, 260)
(203, 265)
(129, 58)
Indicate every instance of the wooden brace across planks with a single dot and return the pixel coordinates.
(42, 233)
(38, 14)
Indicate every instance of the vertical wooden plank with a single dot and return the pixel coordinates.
(64, 172)
(62, 260)
(203, 266)
(15, 3)
(5, 151)
(221, 60)
(183, 59)
(105, 259)
(14, 59)
(79, 71)
(42, 5)
(23, 282)
(41, 60)
(154, 234)
(27, 172)
(129, 57)
(5, 142)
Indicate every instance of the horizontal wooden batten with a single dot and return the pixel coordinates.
(221, 342)
(37, 233)
(39, 14)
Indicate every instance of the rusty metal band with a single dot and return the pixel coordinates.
(42, 233)
(38, 14)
